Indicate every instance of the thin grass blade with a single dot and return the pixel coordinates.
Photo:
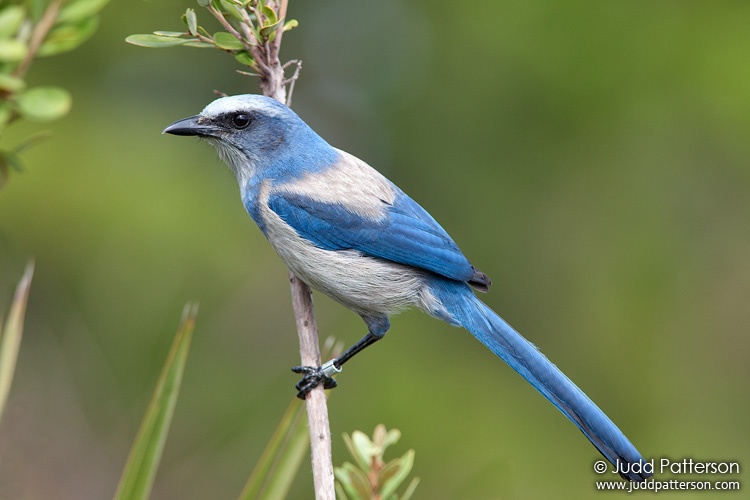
(282, 456)
(143, 461)
(279, 463)
(297, 448)
(11, 333)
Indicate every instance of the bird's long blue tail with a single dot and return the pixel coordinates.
(490, 329)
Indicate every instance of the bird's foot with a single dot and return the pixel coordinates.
(314, 376)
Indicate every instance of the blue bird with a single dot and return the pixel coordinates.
(347, 231)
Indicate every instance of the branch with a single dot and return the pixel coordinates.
(317, 410)
(37, 37)
(272, 84)
(266, 56)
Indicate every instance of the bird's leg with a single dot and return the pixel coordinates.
(314, 376)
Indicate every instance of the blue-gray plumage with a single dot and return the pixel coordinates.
(347, 231)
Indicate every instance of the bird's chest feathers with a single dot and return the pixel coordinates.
(293, 249)
(331, 272)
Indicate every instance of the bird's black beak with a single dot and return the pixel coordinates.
(191, 126)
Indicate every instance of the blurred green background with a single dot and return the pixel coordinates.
(592, 157)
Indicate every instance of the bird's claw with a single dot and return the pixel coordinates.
(314, 376)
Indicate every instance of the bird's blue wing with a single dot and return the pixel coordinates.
(404, 233)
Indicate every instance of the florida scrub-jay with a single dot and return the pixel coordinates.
(347, 231)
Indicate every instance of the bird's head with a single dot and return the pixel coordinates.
(251, 133)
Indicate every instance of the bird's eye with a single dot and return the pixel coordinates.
(240, 120)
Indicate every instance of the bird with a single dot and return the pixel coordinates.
(347, 231)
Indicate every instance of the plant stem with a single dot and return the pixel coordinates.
(272, 84)
(37, 37)
(317, 409)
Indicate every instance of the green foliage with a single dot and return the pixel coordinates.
(248, 25)
(68, 36)
(80, 10)
(274, 472)
(44, 103)
(31, 29)
(272, 476)
(371, 477)
(140, 471)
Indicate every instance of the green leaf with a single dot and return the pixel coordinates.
(292, 23)
(204, 3)
(227, 41)
(394, 473)
(270, 14)
(244, 57)
(383, 439)
(268, 30)
(11, 18)
(199, 44)
(340, 493)
(354, 481)
(407, 494)
(11, 332)
(231, 9)
(363, 464)
(157, 41)
(389, 471)
(191, 20)
(68, 37)
(202, 31)
(171, 34)
(10, 83)
(12, 160)
(30, 142)
(12, 50)
(79, 10)
(139, 473)
(36, 8)
(44, 103)
(364, 448)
